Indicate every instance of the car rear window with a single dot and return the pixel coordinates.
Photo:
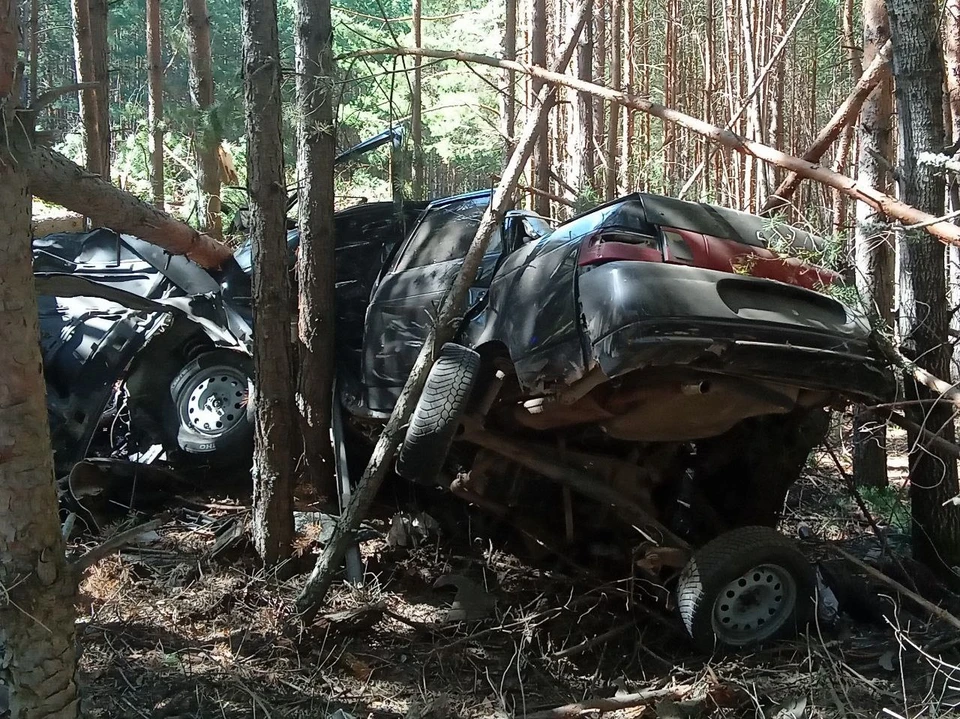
(445, 234)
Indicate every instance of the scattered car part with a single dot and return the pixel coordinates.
(744, 587)
(436, 418)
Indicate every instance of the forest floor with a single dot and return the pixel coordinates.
(184, 624)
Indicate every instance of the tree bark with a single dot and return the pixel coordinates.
(34, 48)
(541, 153)
(951, 57)
(923, 300)
(207, 139)
(508, 96)
(881, 202)
(320, 580)
(86, 72)
(155, 100)
(873, 241)
(839, 202)
(101, 75)
(55, 179)
(612, 162)
(316, 149)
(416, 104)
(878, 70)
(37, 611)
(275, 424)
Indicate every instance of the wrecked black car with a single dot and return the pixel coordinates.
(654, 358)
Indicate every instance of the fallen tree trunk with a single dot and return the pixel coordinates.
(315, 589)
(54, 178)
(879, 201)
(845, 114)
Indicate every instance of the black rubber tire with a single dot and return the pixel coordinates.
(436, 418)
(234, 446)
(724, 559)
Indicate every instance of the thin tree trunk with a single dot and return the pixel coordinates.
(923, 295)
(155, 99)
(583, 156)
(600, 73)
(951, 53)
(934, 225)
(612, 161)
(320, 580)
(101, 74)
(207, 140)
(508, 97)
(86, 72)
(275, 412)
(316, 150)
(846, 138)
(416, 106)
(37, 611)
(541, 154)
(34, 48)
(874, 248)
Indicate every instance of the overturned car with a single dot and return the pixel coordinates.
(650, 371)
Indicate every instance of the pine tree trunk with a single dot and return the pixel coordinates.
(839, 202)
(86, 72)
(34, 48)
(508, 97)
(37, 612)
(541, 153)
(316, 150)
(101, 73)
(416, 109)
(583, 156)
(612, 160)
(275, 423)
(155, 99)
(873, 243)
(919, 78)
(951, 57)
(207, 140)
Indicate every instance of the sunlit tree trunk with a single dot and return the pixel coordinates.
(416, 105)
(101, 73)
(155, 98)
(583, 155)
(207, 140)
(613, 127)
(316, 149)
(846, 138)
(86, 72)
(541, 153)
(273, 360)
(919, 79)
(874, 248)
(37, 611)
(508, 96)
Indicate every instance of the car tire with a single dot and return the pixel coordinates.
(436, 418)
(212, 410)
(745, 587)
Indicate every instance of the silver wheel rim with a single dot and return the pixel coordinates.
(215, 400)
(755, 605)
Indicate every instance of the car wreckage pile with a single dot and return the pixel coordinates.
(650, 370)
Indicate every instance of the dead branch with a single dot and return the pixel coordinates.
(625, 701)
(594, 641)
(121, 539)
(932, 608)
(54, 178)
(315, 589)
(933, 440)
(879, 201)
(946, 390)
(844, 115)
(50, 96)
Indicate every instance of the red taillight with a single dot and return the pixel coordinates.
(603, 247)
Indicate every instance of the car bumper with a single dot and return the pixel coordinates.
(641, 315)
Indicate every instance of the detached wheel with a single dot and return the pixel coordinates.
(745, 587)
(213, 407)
(436, 417)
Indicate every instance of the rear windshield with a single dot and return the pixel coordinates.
(445, 234)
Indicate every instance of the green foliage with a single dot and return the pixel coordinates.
(888, 506)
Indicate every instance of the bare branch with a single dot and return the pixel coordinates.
(50, 96)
